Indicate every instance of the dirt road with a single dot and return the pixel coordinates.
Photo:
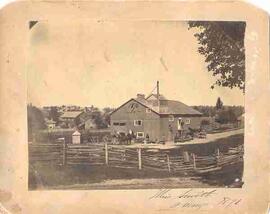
(213, 137)
(149, 183)
(210, 138)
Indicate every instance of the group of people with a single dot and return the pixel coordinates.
(127, 138)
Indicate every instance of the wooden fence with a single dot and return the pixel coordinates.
(46, 153)
(136, 158)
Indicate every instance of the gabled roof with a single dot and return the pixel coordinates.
(71, 114)
(167, 107)
(136, 100)
(177, 107)
(76, 133)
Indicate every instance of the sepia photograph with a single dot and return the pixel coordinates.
(124, 104)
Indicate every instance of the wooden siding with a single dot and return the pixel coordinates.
(195, 122)
(131, 111)
(156, 126)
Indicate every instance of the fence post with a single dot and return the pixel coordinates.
(168, 163)
(34, 137)
(106, 154)
(64, 152)
(140, 158)
(194, 160)
(218, 156)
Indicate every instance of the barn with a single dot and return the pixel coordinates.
(154, 116)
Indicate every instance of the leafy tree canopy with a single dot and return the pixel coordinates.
(226, 116)
(222, 44)
(54, 114)
(219, 104)
(35, 120)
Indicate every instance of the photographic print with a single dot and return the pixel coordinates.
(135, 104)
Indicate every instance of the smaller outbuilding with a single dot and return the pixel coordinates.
(76, 137)
(69, 118)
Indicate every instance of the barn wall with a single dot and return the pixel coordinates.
(155, 126)
(195, 122)
(131, 111)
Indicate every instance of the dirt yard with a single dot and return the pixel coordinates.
(148, 183)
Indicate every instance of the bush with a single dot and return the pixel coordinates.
(226, 116)
(205, 122)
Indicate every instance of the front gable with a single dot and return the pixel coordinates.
(132, 109)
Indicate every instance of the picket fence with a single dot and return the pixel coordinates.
(134, 158)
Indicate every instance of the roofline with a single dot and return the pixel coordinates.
(135, 101)
(160, 114)
(148, 96)
(174, 114)
(62, 116)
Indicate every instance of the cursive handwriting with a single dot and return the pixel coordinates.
(190, 204)
(193, 199)
(163, 194)
(200, 194)
(229, 202)
(166, 194)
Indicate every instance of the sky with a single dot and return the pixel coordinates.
(105, 63)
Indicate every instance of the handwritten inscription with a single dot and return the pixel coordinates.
(229, 202)
(165, 194)
(193, 199)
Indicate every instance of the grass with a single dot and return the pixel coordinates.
(51, 176)
(44, 176)
(223, 144)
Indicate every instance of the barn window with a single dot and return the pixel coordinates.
(171, 118)
(140, 134)
(187, 121)
(148, 110)
(116, 124)
(122, 124)
(137, 122)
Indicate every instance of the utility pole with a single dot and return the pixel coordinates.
(158, 101)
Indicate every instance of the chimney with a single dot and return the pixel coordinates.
(140, 96)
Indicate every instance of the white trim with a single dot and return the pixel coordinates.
(187, 121)
(137, 136)
(171, 118)
(135, 123)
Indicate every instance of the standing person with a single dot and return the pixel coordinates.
(180, 127)
(170, 137)
(147, 138)
(183, 130)
(128, 138)
(131, 135)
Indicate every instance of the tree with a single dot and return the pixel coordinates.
(54, 114)
(35, 120)
(222, 44)
(226, 116)
(219, 104)
(99, 120)
(205, 122)
(106, 114)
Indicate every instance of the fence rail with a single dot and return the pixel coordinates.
(136, 158)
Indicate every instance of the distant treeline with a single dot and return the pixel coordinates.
(224, 114)
(36, 117)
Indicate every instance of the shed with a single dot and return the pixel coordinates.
(76, 137)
